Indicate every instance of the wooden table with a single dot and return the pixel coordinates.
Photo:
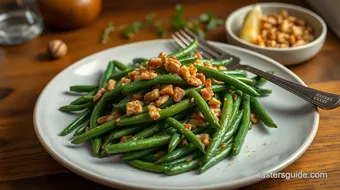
(25, 70)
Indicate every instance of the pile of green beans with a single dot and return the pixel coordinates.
(167, 145)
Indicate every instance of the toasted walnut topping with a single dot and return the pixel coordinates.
(223, 145)
(253, 118)
(188, 126)
(184, 142)
(217, 112)
(137, 97)
(161, 100)
(198, 62)
(125, 80)
(196, 123)
(178, 94)
(208, 65)
(134, 107)
(201, 76)
(167, 90)
(163, 56)
(208, 83)
(148, 75)
(110, 85)
(154, 63)
(151, 96)
(184, 71)
(158, 86)
(192, 70)
(102, 119)
(205, 139)
(113, 116)
(194, 81)
(159, 153)
(172, 65)
(99, 94)
(198, 55)
(125, 138)
(135, 74)
(198, 115)
(222, 68)
(207, 94)
(214, 103)
(189, 159)
(153, 112)
(87, 129)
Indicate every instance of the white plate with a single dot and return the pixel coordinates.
(297, 120)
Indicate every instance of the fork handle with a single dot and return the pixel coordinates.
(322, 99)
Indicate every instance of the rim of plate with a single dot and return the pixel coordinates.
(88, 174)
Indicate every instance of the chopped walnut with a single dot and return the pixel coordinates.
(184, 71)
(201, 76)
(208, 83)
(188, 126)
(172, 65)
(205, 139)
(189, 159)
(161, 100)
(217, 112)
(158, 86)
(192, 70)
(196, 123)
(154, 112)
(163, 56)
(87, 129)
(214, 103)
(222, 68)
(167, 90)
(198, 55)
(178, 94)
(102, 119)
(137, 97)
(110, 85)
(253, 118)
(135, 74)
(99, 94)
(125, 138)
(198, 115)
(113, 116)
(208, 65)
(148, 75)
(125, 80)
(134, 107)
(223, 145)
(151, 96)
(184, 142)
(154, 63)
(194, 81)
(207, 94)
(198, 62)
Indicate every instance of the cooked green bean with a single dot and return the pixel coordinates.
(175, 140)
(261, 113)
(204, 108)
(259, 81)
(247, 81)
(218, 62)
(263, 91)
(75, 123)
(233, 126)
(128, 131)
(223, 153)
(241, 73)
(237, 103)
(147, 166)
(153, 157)
(139, 61)
(81, 129)
(80, 99)
(187, 60)
(79, 107)
(185, 158)
(243, 129)
(148, 132)
(107, 74)
(161, 79)
(177, 153)
(141, 144)
(164, 113)
(87, 98)
(190, 136)
(227, 79)
(137, 154)
(121, 66)
(83, 88)
(122, 74)
(184, 167)
(219, 133)
(186, 51)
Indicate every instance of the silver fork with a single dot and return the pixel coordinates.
(321, 99)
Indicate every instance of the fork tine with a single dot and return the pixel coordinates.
(204, 48)
(178, 41)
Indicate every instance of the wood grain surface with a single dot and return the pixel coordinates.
(26, 69)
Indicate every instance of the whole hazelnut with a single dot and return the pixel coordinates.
(57, 49)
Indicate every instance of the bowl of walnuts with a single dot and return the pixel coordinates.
(286, 33)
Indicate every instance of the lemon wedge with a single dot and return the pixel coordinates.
(251, 25)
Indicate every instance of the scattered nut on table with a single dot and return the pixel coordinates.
(57, 49)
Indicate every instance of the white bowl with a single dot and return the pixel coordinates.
(286, 56)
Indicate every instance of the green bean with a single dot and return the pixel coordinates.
(87, 98)
(148, 132)
(117, 76)
(259, 81)
(185, 52)
(263, 91)
(243, 129)
(147, 166)
(128, 131)
(106, 76)
(141, 144)
(204, 108)
(94, 132)
(140, 61)
(184, 167)
(138, 154)
(119, 65)
(177, 153)
(241, 73)
(233, 126)
(81, 129)
(219, 133)
(227, 79)
(261, 113)
(152, 157)
(161, 79)
(79, 107)
(190, 136)
(185, 158)
(218, 62)
(80, 100)
(78, 121)
(247, 81)
(237, 103)
(83, 88)
(187, 60)
(175, 140)
(223, 153)
(164, 113)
